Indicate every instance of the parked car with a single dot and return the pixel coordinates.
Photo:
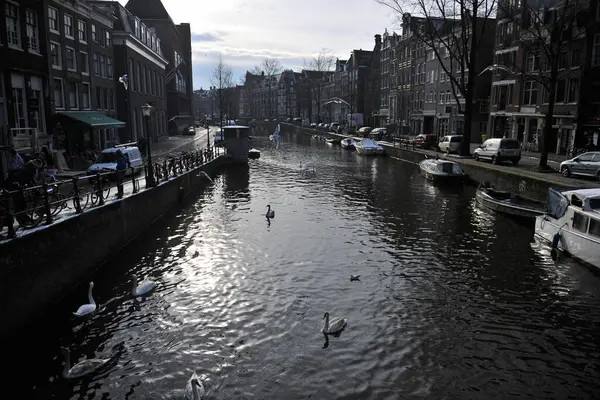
(378, 133)
(313, 125)
(450, 144)
(364, 131)
(498, 150)
(190, 131)
(425, 141)
(586, 164)
(334, 126)
(107, 159)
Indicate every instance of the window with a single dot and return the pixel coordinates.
(56, 55)
(447, 97)
(13, 31)
(573, 90)
(111, 100)
(134, 135)
(137, 27)
(533, 60)
(73, 98)
(130, 75)
(53, 19)
(149, 81)
(143, 33)
(68, 26)
(105, 100)
(137, 77)
(85, 96)
(107, 39)
(84, 63)
(103, 65)
(96, 65)
(596, 50)
(483, 127)
(580, 221)
(576, 57)
(59, 99)
(144, 83)
(82, 30)
(561, 90)
(71, 62)
(530, 93)
(31, 27)
(109, 67)
(94, 35)
(98, 98)
(18, 104)
(594, 227)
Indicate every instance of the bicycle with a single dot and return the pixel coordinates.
(101, 185)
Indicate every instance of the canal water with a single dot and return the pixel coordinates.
(453, 302)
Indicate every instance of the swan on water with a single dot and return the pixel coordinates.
(194, 390)
(270, 213)
(87, 308)
(82, 368)
(333, 326)
(145, 286)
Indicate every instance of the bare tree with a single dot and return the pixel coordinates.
(321, 63)
(548, 33)
(256, 70)
(270, 67)
(221, 79)
(455, 31)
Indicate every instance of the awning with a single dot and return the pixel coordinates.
(93, 119)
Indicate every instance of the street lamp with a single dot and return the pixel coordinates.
(146, 111)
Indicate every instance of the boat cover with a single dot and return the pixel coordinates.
(556, 204)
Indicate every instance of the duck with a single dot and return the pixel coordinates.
(144, 288)
(194, 390)
(270, 213)
(336, 325)
(89, 308)
(82, 368)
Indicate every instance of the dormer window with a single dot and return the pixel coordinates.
(137, 28)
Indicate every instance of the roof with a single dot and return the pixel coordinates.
(93, 119)
(589, 198)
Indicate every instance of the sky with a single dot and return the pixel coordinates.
(245, 32)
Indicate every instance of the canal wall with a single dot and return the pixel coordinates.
(530, 184)
(40, 267)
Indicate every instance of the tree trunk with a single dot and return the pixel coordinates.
(546, 138)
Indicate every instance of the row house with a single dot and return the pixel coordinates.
(359, 65)
(138, 55)
(370, 98)
(176, 48)
(287, 96)
(588, 128)
(24, 87)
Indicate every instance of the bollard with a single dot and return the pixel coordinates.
(47, 210)
(76, 200)
(119, 185)
(99, 189)
(10, 221)
(133, 180)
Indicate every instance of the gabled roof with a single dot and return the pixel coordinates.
(148, 9)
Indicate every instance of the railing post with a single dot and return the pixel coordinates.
(47, 210)
(165, 170)
(173, 163)
(10, 221)
(99, 189)
(133, 180)
(120, 188)
(76, 201)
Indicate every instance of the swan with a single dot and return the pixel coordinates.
(82, 368)
(87, 309)
(270, 213)
(336, 325)
(194, 390)
(145, 287)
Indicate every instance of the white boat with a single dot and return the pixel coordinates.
(253, 154)
(348, 144)
(438, 170)
(368, 147)
(571, 223)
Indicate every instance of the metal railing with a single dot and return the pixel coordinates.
(27, 207)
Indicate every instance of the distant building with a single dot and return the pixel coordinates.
(176, 43)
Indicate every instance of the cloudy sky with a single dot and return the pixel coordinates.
(247, 31)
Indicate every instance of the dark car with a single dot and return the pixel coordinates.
(425, 141)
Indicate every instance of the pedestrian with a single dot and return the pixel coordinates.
(122, 164)
(16, 162)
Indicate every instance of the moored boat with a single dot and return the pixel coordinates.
(333, 141)
(508, 203)
(368, 147)
(348, 144)
(571, 224)
(438, 170)
(253, 154)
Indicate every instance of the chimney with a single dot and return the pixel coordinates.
(378, 40)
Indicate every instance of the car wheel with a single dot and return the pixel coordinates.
(515, 162)
(565, 171)
(476, 157)
(494, 160)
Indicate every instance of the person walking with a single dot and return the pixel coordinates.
(122, 164)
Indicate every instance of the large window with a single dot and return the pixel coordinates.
(13, 32)
(530, 93)
(31, 25)
(144, 83)
(94, 34)
(53, 19)
(71, 61)
(35, 91)
(580, 221)
(68, 26)
(105, 100)
(109, 67)
(18, 103)
(131, 75)
(561, 90)
(96, 65)
(137, 77)
(573, 90)
(73, 95)
(84, 63)
(594, 227)
(103, 65)
(82, 31)
(86, 96)
(56, 56)
(98, 98)
(59, 98)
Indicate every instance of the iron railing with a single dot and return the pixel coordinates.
(26, 207)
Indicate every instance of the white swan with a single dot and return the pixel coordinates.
(82, 368)
(194, 390)
(336, 325)
(87, 309)
(145, 286)
(270, 213)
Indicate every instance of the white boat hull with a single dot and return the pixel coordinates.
(577, 245)
(368, 151)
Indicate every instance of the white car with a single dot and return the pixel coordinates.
(498, 150)
(450, 144)
(108, 160)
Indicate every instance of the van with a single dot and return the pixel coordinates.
(498, 150)
(450, 144)
(108, 159)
